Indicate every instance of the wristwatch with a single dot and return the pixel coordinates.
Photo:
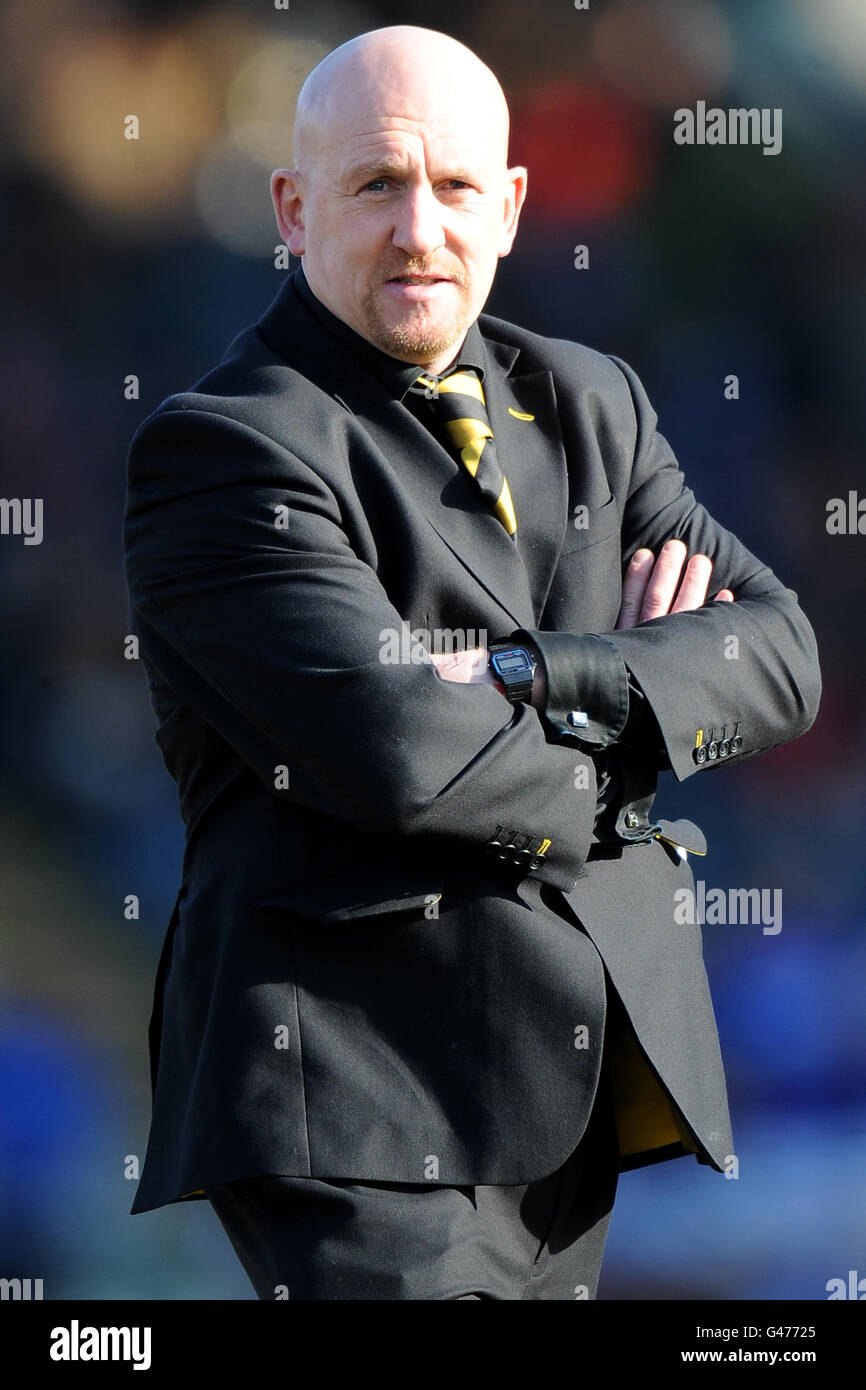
(514, 668)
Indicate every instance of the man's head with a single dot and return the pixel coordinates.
(401, 202)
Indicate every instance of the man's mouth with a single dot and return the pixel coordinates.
(417, 279)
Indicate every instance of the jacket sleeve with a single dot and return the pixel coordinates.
(250, 601)
(721, 683)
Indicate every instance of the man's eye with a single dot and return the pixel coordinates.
(373, 182)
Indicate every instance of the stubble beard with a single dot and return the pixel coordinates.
(413, 342)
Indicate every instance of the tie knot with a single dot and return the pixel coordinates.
(457, 393)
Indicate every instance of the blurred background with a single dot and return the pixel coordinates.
(145, 257)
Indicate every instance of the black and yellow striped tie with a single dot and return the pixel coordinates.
(458, 399)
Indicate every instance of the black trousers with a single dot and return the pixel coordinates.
(308, 1238)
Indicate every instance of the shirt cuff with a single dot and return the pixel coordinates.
(587, 686)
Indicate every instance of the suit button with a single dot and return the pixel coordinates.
(700, 754)
(736, 744)
(495, 843)
(712, 750)
(724, 747)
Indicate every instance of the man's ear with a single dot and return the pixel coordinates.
(515, 193)
(287, 197)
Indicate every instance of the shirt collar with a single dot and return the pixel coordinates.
(397, 375)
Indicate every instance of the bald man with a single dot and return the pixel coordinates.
(424, 604)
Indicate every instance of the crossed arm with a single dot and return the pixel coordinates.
(651, 588)
(273, 638)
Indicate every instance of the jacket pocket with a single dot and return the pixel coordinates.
(357, 892)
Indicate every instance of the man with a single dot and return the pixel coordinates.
(423, 996)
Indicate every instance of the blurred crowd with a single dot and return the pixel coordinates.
(142, 258)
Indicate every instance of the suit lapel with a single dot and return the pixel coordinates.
(531, 453)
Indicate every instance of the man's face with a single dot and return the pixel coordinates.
(401, 220)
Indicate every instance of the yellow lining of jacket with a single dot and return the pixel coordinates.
(645, 1118)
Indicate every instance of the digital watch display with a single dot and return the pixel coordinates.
(515, 668)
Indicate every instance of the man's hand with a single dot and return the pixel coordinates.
(467, 668)
(647, 592)
(649, 585)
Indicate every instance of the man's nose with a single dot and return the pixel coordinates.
(418, 225)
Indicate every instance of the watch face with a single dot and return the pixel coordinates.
(512, 663)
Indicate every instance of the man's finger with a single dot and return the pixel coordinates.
(724, 596)
(634, 587)
(664, 580)
(695, 582)
(469, 667)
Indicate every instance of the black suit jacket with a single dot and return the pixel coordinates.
(353, 983)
